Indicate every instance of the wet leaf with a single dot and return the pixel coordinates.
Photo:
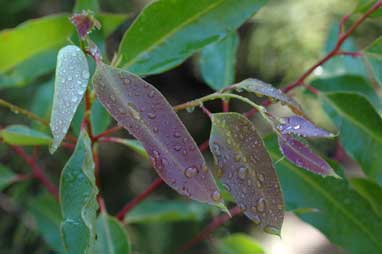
(78, 199)
(246, 170)
(239, 244)
(144, 112)
(24, 136)
(6, 177)
(261, 88)
(302, 127)
(301, 155)
(72, 76)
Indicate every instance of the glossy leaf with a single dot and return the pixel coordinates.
(155, 211)
(112, 237)
(261, 88)
(6, 177)
(343, 214)
(360, 129)
(217, 62)
(144, 112)
(78, 199)
(167, 32)
(24, 136)
(246, 170)
(46, 212)
(373, 57)
(72, 76)
(300, 126)
(238, 244)
(370, 191)
(301, 155)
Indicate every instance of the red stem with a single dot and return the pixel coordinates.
(206, 111)
(107, 132)
(225, 105)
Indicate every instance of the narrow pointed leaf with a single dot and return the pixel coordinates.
(239, 244)
(6, 177)
(72, 76)
(246, 170)
(370, 191)
(168, 31)
(301, 155)
(24, 136)
(302, 127)
(217, 62)
(263, 89)
(133, 144)
(144, 112)
(78, 199)
(112, 237)
(373, 59)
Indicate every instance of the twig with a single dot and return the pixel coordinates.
(107, 132)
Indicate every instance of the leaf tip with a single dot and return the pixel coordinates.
(273, 231)
(224, 208)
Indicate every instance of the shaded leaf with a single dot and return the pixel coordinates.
(168, 31)
(370, 191)
(133, 144)
(144, 112)
(99, 117)
(78, 199)
(238, 244)
(302, 127)
(373, 57)
(6, 177)
(85, 5)
(152, 211)
(343, 214)
(217, 62)
(112, 237)
(364, 5)
(109, 22)
(24, 136)
(261, 88)
(72, 75)
(301, 155)
(246, 170)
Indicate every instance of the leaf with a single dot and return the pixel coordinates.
(6, 177)
(261, 88)
(246, 170)
(373, 58)
(99, 117)
(364, 5)
(370, 191)
(72, 76)
(169, 31)
(110, 21)
(302, 127)
(238, 244)
(85, 5)
(46, 212)
(41, 103)
(78, 199)
(133, 144)
(217, 62)
(343, 214)
(144, 112)
(154, 211)
(360, 128)
(112, 237)
(301, 155)
(24, 136)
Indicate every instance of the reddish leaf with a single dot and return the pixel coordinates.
(246, 170)
(302, 127)
(301, 155)
(84, 23)
(145, 113)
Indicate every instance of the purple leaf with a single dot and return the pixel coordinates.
(246, 170)
(144, 112)
(302, 127)
(84, 23)
(301, 155)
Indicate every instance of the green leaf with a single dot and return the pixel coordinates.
(109, 22)
(85, 5)
(6, 177)
(133, 144)
(168, 31)
(46, 212)
(360, 129)
(24, 136)
(373, 59)
(238, 244)
(217, 62)
(112, 237)
(41, 103)
(152, 211)
(364, 5)
(78, 199)
(370, 191)
(99, 117)
(343, 215)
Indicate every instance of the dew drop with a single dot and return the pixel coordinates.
(112, 98)
(261, 205)
(190, 109)
(271, 230)
(177, 148)
(70, 78)
(177, 134)
(216, 196)
(227, 187)
(151, 115)
(261, 177)
(256, 218)
(216, 148)
(151, 94)
(126, 81)
(242, 173)
(190, 172)
(155, 130)
(74, 99)
(85, 74)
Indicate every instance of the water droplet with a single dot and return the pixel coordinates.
(151, 115)
(256, 218)
(177, 148)
(242, 173)
(85, 74)
(190, 172)
(112, 98)
(227, 187)
(126, 81)
(190, 109)
(261, 205)
(261, 177)
(70, 78)
(177, 134)
(155, 130)
(296, 127)
(272, 230)
(216, 148)
(74, 99)
(151, 94)
(216, 196)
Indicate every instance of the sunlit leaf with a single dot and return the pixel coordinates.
(373, 57)
(168, 31)
(302, 127)
(301, 155)
(6, 177)
(78, 199)
(246, 170)
(217, 62)
(72, 75)
(111, 236)
(261, 88)
(370, 191)
(24, 136)
(144, 112)
(238, 244)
